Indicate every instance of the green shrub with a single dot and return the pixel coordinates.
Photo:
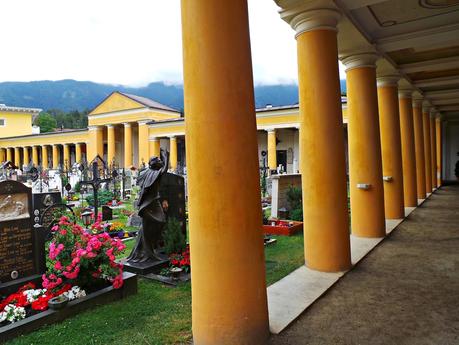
(77, 187)
(174, 239)
(296, 214)
(104, 197)
(294, 197)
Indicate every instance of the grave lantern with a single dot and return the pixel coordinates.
(86, 217)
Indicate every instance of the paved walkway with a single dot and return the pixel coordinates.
(406, 291)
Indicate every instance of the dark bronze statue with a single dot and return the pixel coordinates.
(146, 249)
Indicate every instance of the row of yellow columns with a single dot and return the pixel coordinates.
(25, 158)
(384, 142)
(147, 147)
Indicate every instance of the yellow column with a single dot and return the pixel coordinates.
(365, 164)
(322, 161)
(173, 153)
(427, 147)
(408, 149)
(272, 154)
(2, 155)
(419, 147)
(55, 157)
(439, 150)
(110, 143)
(17, 157)
(67, 163)
(391, 147)
(96, 143)
(127, 145)
(25, 150)
(78, 155)
(230, 308)
(9, 154)
(433, 150)
(35, 155)
(155, 147)
(44, 157)
(144, 146)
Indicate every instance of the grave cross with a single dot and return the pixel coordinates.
(95, 183)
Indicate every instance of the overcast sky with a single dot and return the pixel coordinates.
(131, 42)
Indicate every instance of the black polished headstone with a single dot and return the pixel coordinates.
(107, 213)
(22, 251)
(41, 201)
(172, 197)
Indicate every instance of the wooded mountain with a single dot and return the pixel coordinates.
(68, 95)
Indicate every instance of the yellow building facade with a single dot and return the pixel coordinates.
(127, 130)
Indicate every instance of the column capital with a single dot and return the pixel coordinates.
(94, 128)
(309, 16)
(154, 139)
(270, 130)
(143, 122)
(172, 137)
(433, 113)
(387, 80)
(127, 124)
(110, 126)
(417, 100)
(359, 60)
(426, 106)
(406, 93)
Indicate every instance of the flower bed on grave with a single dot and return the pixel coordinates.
(282, 227)
(80, 266)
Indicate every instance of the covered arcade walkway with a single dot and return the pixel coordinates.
(406, 291)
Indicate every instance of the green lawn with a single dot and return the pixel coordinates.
(157, 314)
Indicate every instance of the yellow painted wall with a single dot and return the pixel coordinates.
(15, 124)
(122, 118)
(46, 139)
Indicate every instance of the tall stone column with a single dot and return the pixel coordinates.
(322, 161)
(439, 150)
(67, 163)
(44, 157)
(110, 143)
(419, 146)
(221, 126)
(144, 146)
(391, 146)
(433, 149)
(427, 147)
(365, 163)
(2, 155)
(127, 145)
(96, 143)
(9, 154)
(17, 157)
(272, 153)
(35, 155)
(56, 157)
(26, 155)
(410, 192)
(78, 152)
(155, 147)
(173, 153)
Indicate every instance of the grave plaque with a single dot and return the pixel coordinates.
(107, 213)
(21, 257)
(41, 201)
(172, 196)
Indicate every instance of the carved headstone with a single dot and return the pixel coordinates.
(41, 201)
(172, 197)
(107, 213)
(21, 245)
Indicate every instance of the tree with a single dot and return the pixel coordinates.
(46, 122)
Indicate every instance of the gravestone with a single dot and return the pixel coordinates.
(22, 254)
(134, 220)
(41, 201)
(107, 213)
(55, 180)
(172, 197)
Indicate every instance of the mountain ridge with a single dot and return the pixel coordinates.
(69, 94)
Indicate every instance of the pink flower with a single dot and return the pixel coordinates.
(58, 266)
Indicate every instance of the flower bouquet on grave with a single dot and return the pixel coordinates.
(181, 260)
(116, 230)
(81, 258)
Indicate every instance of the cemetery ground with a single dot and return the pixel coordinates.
(158, 314)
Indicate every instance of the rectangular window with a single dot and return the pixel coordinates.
(2, 122)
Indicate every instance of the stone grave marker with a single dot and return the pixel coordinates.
(107, 213)
(172, 197)
(41, 201)
(22, 251)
